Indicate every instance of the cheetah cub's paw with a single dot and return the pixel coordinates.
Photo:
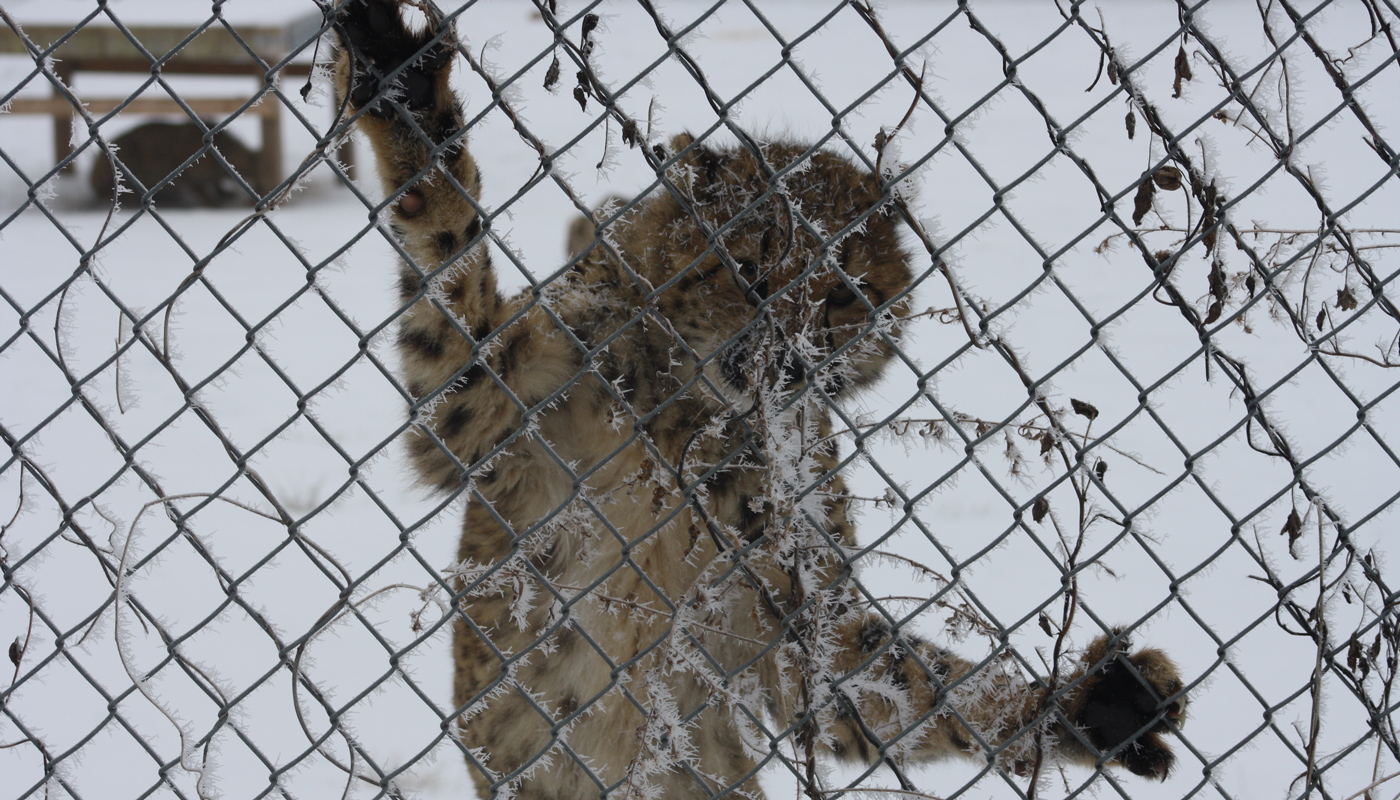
(376, 43)
(1127, 703)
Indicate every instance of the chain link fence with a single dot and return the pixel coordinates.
(1142, 386)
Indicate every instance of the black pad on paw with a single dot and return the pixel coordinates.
(379, 43)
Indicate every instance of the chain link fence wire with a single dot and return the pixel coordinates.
(1145, 385)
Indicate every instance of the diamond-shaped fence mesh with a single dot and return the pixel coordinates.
(911, 399)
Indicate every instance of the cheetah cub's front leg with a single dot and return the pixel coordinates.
(468, 371)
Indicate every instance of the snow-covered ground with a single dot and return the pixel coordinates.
(285, 372)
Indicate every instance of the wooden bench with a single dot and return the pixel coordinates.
(269, 28)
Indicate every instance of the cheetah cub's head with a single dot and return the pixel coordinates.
(785, 265)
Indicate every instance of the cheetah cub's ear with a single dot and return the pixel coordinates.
(681, 141)
(583, 231)
(703, 162)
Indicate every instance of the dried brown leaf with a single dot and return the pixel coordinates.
(1219, 288)
(1142, 202)
(1131, 122)
(551, 76)
(1183, 71)
(1293, 528)
(1040, 509)
(1083, 409)
(1213, 313)
(1346, 301)
(1167, 178)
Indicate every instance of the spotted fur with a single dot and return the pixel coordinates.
(630, 606)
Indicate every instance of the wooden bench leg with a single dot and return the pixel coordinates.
(63, 121)
(270, 158)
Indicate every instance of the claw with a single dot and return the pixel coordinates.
(1148, 757)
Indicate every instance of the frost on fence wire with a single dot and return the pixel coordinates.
(1134, 423)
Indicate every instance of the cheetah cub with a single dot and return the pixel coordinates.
(655, 592)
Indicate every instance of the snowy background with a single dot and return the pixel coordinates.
(283, 370)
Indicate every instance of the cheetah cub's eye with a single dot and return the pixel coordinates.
(841, 296)
(755, 290)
